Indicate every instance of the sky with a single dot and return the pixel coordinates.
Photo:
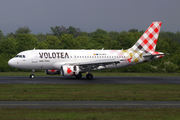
(88, 15)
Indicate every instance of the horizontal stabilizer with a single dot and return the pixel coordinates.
(156, 55)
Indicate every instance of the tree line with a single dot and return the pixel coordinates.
(61, 37)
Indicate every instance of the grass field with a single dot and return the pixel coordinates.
(89, 92)
(95, 73)
(90, 114)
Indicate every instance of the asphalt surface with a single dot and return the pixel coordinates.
(89, 104)
(95, 80)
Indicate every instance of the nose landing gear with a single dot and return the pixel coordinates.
(32, 75)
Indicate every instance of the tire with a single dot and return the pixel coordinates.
(89, 76)
(32, 76)
(79, 75)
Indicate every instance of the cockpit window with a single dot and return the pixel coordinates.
(20, 56)
(16, 56)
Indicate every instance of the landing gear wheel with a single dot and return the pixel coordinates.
(89, 76)
(79, 75)
(32, 76)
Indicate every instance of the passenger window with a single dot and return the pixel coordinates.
(23, 56)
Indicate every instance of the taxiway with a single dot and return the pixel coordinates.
(89, 104)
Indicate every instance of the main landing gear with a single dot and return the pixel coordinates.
(32, 75)
(88, 76)
(79, 75)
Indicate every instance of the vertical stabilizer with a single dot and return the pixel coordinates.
(147, 42)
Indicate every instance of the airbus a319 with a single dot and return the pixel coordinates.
(76, 62)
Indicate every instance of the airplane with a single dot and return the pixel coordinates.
(76, 62)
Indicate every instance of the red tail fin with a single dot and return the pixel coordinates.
(147, 42)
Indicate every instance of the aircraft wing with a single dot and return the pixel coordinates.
(99, 63)
(89, 64)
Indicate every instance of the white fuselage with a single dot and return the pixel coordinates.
(54, 59)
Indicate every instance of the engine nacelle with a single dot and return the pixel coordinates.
(69, 70)
(52, 72)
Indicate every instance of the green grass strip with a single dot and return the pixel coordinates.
(89, 92)
(90, 114)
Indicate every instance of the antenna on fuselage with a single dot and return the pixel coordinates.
(34, 49)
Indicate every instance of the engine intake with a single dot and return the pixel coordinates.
(69, 70)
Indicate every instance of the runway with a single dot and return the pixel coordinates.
(89, 104)
(95, 80)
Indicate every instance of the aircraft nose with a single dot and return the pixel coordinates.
(11, 62)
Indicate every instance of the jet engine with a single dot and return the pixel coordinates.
(52, 72)
(69, 70)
